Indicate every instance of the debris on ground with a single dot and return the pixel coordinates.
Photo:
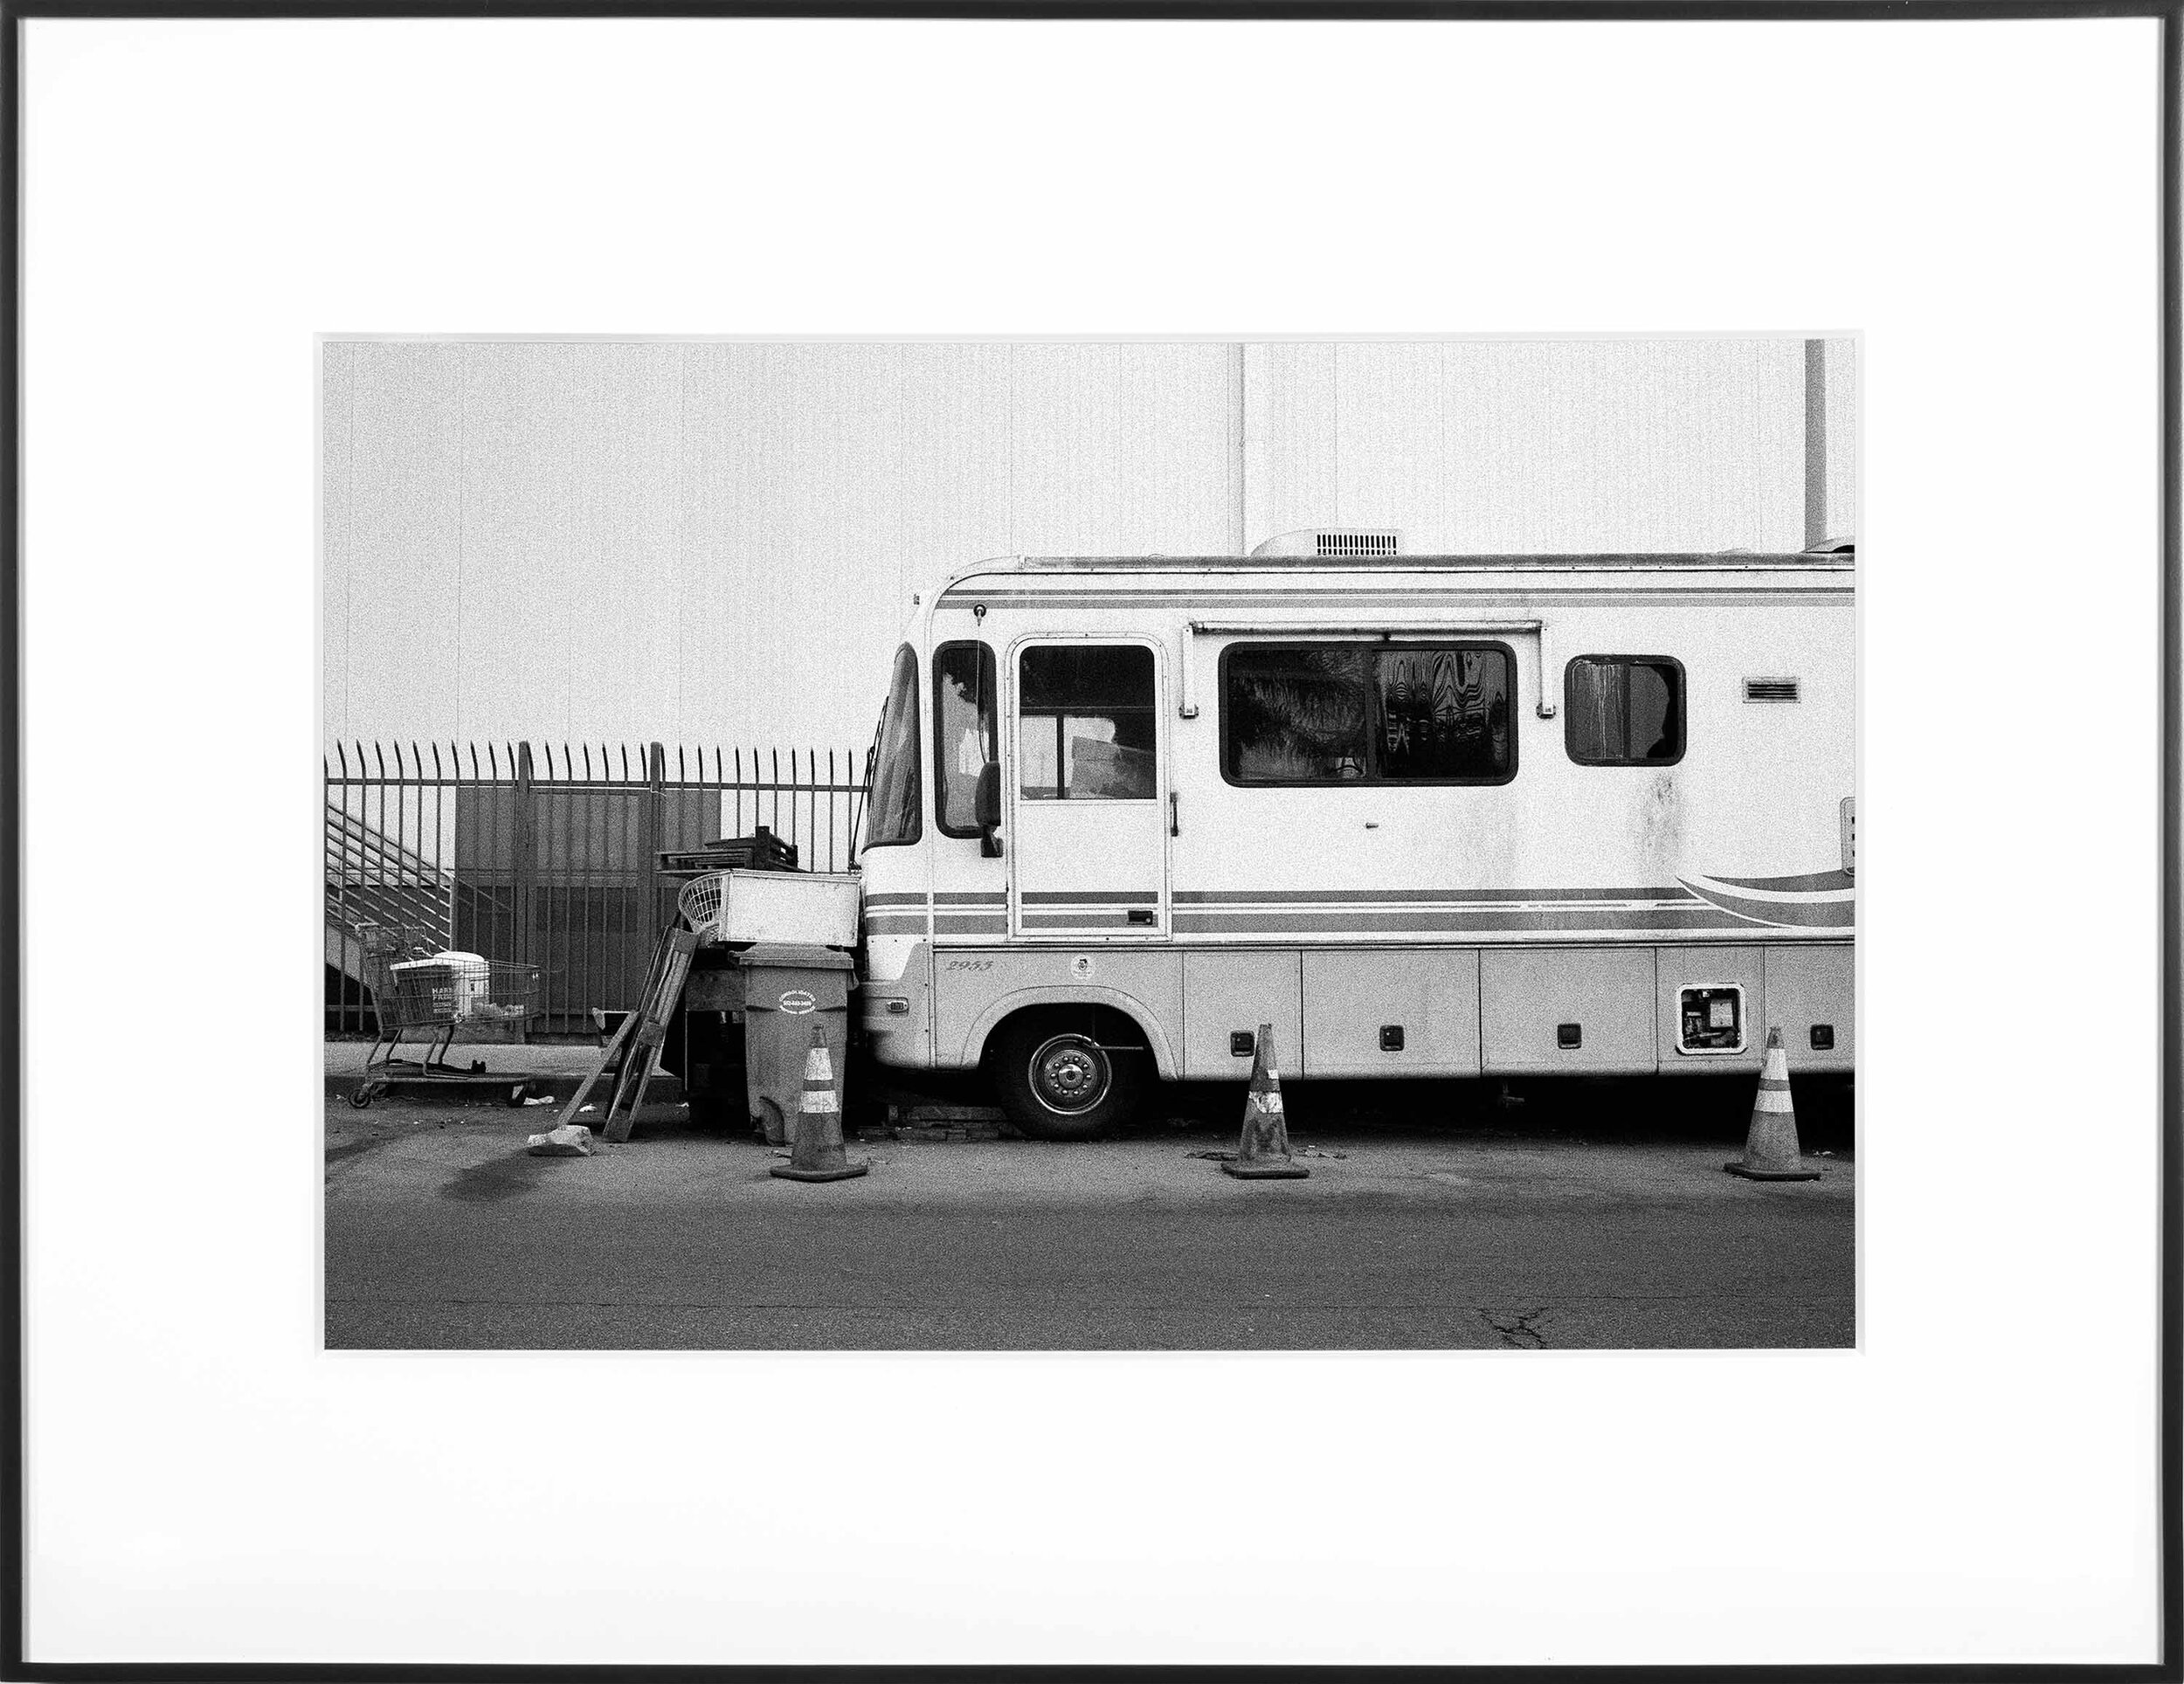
(930, 1122)
(1218, 1157)
(573, 1140)
(1315, 1151)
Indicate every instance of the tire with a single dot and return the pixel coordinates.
(1060, 1079)
(359, 1096)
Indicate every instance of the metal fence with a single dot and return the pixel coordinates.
(550, 857)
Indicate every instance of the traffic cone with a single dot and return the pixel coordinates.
(1771, 1147)
(816, 1152)
(1263, 1154)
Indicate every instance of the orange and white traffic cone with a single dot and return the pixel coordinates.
(1263, 1154)
(816, 1152)
(1771, 1147)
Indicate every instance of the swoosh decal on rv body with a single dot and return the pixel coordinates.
(1816, 900)
(1832, 882)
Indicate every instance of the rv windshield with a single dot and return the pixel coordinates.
(895, 793)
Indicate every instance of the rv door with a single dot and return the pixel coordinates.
(1087, 776)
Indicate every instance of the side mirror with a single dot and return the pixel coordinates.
(985, 804)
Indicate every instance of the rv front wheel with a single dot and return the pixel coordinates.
(1062, 1081)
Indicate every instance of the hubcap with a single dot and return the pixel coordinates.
(1069, 1074)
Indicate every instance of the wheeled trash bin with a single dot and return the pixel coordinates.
(788, 989)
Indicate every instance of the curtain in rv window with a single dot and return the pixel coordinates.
(1364, 713)
(896, 794)
(963, 733)
(1623, 710)
(1084, 723)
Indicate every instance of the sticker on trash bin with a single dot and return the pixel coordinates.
(1081, 965)
(796, 1002)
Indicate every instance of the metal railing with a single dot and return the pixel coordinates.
(549, 856)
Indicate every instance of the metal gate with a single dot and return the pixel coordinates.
(550, 857)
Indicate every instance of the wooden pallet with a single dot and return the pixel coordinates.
(632, 1056)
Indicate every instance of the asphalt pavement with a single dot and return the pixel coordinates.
(1599, 1218)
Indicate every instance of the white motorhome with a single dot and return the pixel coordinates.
(1426, 816)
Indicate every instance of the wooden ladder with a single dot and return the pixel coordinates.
(633, 1055)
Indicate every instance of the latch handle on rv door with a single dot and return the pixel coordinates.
(1175, 819)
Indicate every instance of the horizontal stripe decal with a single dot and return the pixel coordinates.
(970, 898)
(1427, 920)
(1704, 904)
(1449, 897)
(1656, 894)
(1399, 944)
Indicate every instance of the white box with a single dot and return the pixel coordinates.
(816, 907)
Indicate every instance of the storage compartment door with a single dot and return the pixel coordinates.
(1577, 1011)
(1391, 1013)
(1809, 989)
(1226, 995)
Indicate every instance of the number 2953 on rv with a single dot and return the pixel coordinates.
(1426, 816)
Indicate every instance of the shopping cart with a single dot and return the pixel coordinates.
(416, 987)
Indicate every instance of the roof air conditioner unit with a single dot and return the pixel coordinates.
(1328, 544)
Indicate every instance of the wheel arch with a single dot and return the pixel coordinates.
(980, 1035)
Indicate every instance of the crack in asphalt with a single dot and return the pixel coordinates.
(1516, 1326)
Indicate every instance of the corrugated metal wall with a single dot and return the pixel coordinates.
(705, 541)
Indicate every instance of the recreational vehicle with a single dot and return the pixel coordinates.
(1425, 816)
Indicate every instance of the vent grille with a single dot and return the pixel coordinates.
(1770, 689)
(1355, 543)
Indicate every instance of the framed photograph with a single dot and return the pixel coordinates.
(1088, 839)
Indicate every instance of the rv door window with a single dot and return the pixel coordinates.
(963, 733)
(1623, 710)
(1362, 712)
(896, 794)
(1085, 722)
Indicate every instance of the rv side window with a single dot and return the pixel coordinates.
(1623, 710)
(1362, 712)
(963, 733)
(1084, 722)
(895, 795)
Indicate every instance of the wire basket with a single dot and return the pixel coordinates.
(700, 902)
(432, 993)
(385, 946)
